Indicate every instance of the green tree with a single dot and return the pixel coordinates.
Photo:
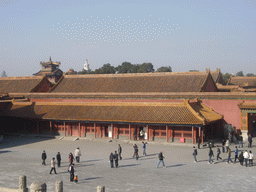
(105, 69)
(240, 74)
(125, 67)
(226, 77)
(146, 68)
(250, 75)
(164, 69)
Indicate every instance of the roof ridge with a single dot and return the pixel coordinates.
(135, 74)
(21, 77)
(121, 103)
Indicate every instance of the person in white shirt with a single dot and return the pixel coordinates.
(250, 159)
(246, 157)
(77, 154)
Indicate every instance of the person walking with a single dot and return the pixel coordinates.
(136, 152)
(111, 160)
(210, 156)
(116, 159)
(119, 151)
(144, 147)
(218, 153)
(71, 171)
(135, 148)
(250, 141)
(58, 157)
(70, 158)
(227, 145)
(199, 142)
(241, 158)
(77, 154)
(246, 157)
(236, 153)
(250, 159)
(223, 146)
(53, 166)
(161, 159)
(229, 156)
(44, 157)
(240, 141)
(195, 154)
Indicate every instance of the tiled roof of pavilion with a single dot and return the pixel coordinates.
(243, 81)
(185, 113)
(20, 84)
(134, 83)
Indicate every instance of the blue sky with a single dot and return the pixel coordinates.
(184, 34)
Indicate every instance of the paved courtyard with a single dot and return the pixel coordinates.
(22, 156)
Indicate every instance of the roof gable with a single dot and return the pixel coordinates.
(21, 84)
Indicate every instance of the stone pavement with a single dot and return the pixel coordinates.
(22, 156)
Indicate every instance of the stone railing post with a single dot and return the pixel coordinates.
(59, 186)
(38, 187)
(101, 189)
(23, 184)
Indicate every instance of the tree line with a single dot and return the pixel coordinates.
(125, 67)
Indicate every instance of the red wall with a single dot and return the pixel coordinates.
(228, 108)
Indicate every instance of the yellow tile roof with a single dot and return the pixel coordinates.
(185, 113)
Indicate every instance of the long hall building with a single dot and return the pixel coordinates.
(171, 107)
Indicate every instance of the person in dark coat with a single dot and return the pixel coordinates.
(71, 170)
(44, 157)
(223, 146)
(250, 141)
(199, 142)
(241, 158)
(119, 151)
(161, 159)
(195, 153)
(116, 159)
(210, 156)
(218, 153)
(58, 157)
(111, 159)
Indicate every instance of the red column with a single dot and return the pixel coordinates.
(64, 128)
(50, 127)
(166, 133)
(192, 134)
(147, 133)
(79, 126)
(94, 130)
(129, 131)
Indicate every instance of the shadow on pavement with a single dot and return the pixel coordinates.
(91, 160)
(147, 158)
(7, 151)
(177, 165)
(129, 165)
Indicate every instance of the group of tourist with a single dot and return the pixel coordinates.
(244, 156)
(71, 158)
